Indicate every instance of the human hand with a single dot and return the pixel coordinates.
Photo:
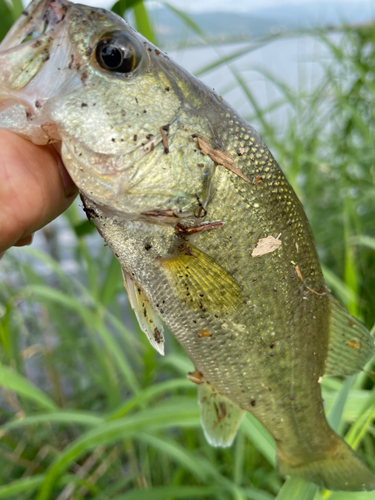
(34, 189)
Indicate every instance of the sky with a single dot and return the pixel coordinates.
(232, 6)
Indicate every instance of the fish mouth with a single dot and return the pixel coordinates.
(32, 57)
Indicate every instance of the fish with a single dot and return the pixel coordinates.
(212, 241)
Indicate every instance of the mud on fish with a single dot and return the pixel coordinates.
(211, 238)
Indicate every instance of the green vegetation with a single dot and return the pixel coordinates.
(90, 411)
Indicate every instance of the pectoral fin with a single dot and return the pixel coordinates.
(220, 418)
(148, 319)
(350, 343)
(201, 282)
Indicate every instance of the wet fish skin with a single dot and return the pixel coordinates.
(131, 144)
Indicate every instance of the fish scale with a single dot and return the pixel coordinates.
(209, 234)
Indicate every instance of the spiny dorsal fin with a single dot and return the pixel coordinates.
(220, 418)
(148, 319)
(201, 282)
(350, 345)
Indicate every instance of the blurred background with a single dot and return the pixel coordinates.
(88, 410)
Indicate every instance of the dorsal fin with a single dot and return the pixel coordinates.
(148, 319)
(201, 282)
(350, 344)
(220, 418)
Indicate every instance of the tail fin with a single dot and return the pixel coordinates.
(341, 470)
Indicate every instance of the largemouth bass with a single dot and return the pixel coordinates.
(211, 238)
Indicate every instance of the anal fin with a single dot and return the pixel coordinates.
(148, 319)
(350, 344)
(220, 418)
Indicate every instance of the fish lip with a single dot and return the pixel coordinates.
(32, 21)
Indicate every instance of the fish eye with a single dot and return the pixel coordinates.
(118, 52)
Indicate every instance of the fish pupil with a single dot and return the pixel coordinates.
(111, 57)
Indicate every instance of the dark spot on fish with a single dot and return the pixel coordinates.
(84, 77)
(158, 336)
(37, 44)
(351, 323)
(149, 136)
(270, 389)
(290, 222)
(78, 65)
(135, 138)
(157, 52)
(253, 402)
(84, 105)
(24, 13)
(167, 89)
(148, 246)
(123, 112)
(113, 139)
(28, 115)
(257, 179)
(272, 345)
(38, 104)
(117, 255)
(88, 52)
(194, 136)
(144, 313)
(71, 61)
(145, 110)
(136, 100)
(149, 49)
(201, 165)
(254, 280)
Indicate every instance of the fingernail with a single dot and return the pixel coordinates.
(70, 188)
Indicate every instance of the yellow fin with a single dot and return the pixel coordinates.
(201, 282)
(220, 418)
(350, 345)
(148, 319)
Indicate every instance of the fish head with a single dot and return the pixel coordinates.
(120, 111)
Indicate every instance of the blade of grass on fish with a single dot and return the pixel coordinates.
(13, 381)
(295, 488)
(122, 6)
(110, 432)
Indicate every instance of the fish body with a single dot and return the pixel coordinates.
(210, 236)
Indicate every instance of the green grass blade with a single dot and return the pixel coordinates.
(335, 415)
(143, 22)
(26, 485)
(10, 379)
(68, 418)
(295, 488)
(160, 418)
(169, 492)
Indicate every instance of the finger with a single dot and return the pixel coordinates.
(35, 188)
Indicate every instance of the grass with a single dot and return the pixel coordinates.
(88, 408)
